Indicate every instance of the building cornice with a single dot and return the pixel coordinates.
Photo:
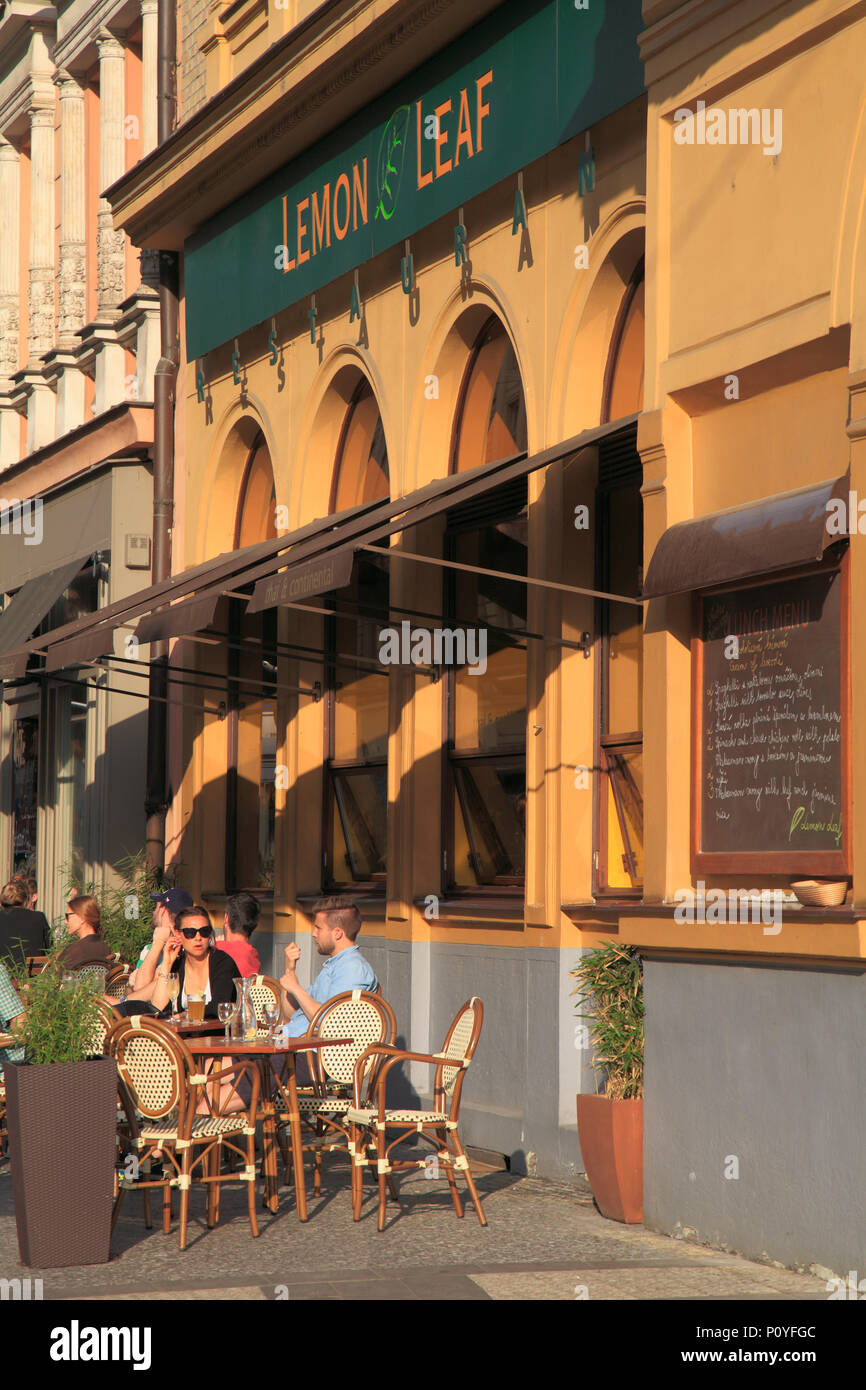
(308, 83)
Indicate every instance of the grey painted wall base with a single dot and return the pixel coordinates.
(755, 1110)
(519, 1096)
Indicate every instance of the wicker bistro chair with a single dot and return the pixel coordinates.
(263, 990)
(157, 1070)
(117, 982)
(95, 971)
(370, 1122)
(366, 1018)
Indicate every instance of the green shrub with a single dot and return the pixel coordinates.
(609, 981)
(60, 1017)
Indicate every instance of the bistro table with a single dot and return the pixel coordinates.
(262, 1051)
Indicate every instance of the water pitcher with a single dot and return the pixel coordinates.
(245, 1018)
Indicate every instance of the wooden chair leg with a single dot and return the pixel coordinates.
(470, 1183)
(251, 1186)
(381, 1157)
(217, 1157)
(148, 1218)
(184, 1185)
(166, 1205)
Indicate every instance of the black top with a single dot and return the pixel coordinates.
(85, 950)
(23, 930)
(222, 972)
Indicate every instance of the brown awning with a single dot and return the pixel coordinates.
(179, 620)
(23, 614)
(80, 651)
(776, 533)
(434, 499)
(13, 665)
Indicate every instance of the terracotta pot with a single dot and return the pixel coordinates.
(62, 1121)
(611, 1141)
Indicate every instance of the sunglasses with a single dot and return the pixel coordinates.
(190, 932)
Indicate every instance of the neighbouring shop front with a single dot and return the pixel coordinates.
(72, 754)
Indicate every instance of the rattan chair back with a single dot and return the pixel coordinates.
(460, 1046)
(95, 971)
(101, 1029)
(356, 1014)
(117, 983)
(263, 989)
(153, 1063)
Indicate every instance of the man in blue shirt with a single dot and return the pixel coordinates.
(336, 923)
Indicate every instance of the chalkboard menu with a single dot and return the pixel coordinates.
(771, 773)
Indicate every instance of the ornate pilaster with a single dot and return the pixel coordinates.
(149, 31)
(73, 307)
(41, 229)
(10, 212)
(111, 245)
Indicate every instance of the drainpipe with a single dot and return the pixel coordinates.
(164, 393)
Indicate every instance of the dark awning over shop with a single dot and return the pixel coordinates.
(179, 620)
(29, 606)
(776, 533)
(433, 500)
(316, 558)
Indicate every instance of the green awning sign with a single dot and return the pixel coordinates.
(527, 78)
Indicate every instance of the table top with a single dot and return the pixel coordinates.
(239, 1047)
(6, 1039)
(206, 1025)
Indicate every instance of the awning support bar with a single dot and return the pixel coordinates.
(500, 574)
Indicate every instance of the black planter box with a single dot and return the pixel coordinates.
(62, 1121)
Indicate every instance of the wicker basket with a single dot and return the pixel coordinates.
(820, 892)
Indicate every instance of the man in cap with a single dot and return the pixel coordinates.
(166, 907)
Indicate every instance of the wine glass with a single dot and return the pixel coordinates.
(273, 1014)
(173, 992)
(225, 1013)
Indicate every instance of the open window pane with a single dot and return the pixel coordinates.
(490, 822)
(360, 804)
(624, 813)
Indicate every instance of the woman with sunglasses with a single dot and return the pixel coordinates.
(84, 924)
(189, 954)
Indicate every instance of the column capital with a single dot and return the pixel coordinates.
(69, 84)
(8, 152)
(41, 117)
(110, 45)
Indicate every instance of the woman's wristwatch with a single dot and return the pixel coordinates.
(161, 975)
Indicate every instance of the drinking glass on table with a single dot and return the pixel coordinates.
(195, 1007)
(273, 1014)
(173, 992)
(226, 1013)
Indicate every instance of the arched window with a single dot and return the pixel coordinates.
(485, 773)
(361, 474)
(356, 688)
(491, 417)
(252, 713)
(619, 557)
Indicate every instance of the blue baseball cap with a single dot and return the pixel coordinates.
(174, 899)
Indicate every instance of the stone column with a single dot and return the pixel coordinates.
(73, 265)
(149, 30)
(10, 213)
(111, 250)
(73, 303)
(40, 397)
(41, 229)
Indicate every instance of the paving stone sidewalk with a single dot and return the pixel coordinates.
(544, 1241)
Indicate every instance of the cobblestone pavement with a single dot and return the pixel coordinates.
(544, 1241)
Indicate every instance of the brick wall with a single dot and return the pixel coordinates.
(191, 86)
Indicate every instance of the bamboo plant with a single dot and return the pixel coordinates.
(609, 982)
(60, 1019)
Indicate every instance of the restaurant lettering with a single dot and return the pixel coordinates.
(456, 126)
(451, 131)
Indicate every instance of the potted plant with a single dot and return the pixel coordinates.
(62, 1124)
(609, 981)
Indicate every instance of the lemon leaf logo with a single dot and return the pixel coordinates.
(389, 168)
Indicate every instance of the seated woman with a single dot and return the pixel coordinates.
(83, 922)
(201, 970)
